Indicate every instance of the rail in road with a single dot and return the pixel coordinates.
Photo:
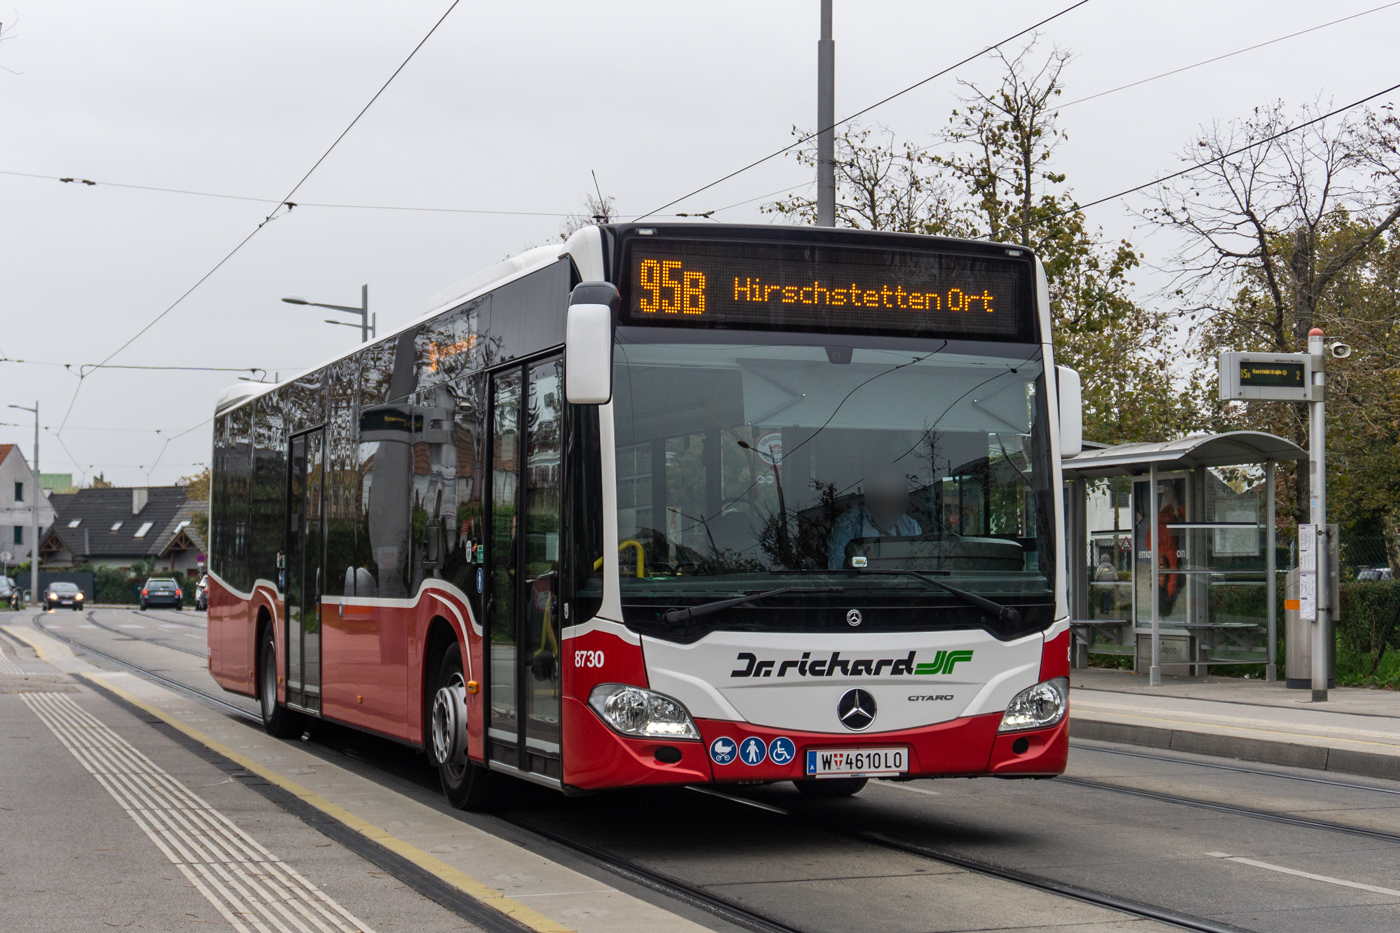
(992, 841)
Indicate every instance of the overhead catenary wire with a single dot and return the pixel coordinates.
(1195, 166)
(859, 113)
(1218, 58)
(271, 216)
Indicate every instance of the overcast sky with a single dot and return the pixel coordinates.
(507, 107)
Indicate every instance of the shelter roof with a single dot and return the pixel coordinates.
(1235, 448)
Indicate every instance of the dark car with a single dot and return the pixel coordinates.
(10, 593)
(63, 594)
(162, 591)
(201, 593)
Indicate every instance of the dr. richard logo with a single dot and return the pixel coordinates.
(942, 663)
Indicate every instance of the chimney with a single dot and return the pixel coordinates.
(138, 500)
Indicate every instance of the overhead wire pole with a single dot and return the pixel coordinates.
(859, 113)
(826, 121)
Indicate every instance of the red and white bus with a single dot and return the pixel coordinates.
(669, 504)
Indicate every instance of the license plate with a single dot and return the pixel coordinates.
(857, 762)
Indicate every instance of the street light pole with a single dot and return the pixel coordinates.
(34, 508)
(826, 118)
(368, 324)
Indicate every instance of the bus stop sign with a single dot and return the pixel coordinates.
(1278, 377)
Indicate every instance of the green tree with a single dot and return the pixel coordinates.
(1002, 145)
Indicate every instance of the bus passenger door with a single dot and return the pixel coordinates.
(303, 555)
(524, 565)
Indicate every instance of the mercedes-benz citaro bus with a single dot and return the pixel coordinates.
(669, 504)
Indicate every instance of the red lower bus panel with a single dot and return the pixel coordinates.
(960, 747)
(597, 757)
(1046, 751)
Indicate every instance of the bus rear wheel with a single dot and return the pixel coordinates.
(831, 788)
(279, 721)
(467, 785)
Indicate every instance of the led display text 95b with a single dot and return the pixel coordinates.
(801, 286)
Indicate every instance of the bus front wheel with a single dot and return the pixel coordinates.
(468, 785)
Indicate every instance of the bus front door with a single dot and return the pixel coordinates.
(303, 553)
(524, 567)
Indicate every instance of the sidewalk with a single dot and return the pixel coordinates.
(1356, 732)
(518, 888)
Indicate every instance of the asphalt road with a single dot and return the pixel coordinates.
(1238, 845)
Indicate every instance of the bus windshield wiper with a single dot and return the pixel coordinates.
(719, 605)
(981, 602)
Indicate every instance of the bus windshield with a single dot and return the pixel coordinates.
(835, 464)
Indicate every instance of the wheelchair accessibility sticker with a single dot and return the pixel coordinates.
(782, 750)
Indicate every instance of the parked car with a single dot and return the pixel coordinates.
(10, 593)
(162, 591)
(1374, 574)
(201, 593)
(63, 594)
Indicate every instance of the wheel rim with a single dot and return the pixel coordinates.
(447, 725)
(269, 681)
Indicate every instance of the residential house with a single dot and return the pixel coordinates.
(19, 487)
(116, 527)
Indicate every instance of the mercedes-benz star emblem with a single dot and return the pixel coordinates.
(856, 710)
(854, 617)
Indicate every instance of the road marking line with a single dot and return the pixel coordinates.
(897, 785)
(5, 666)
(1376, 889)
(468, 885)
(250, 886)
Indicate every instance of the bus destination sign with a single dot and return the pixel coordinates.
(706, 283)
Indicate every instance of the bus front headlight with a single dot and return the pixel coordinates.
(642, 713)
(1038, 707)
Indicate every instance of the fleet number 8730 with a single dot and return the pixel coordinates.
(588, 659)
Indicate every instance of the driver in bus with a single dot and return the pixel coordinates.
(884, 513)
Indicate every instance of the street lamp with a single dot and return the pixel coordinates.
(34, 508)
(367, 323)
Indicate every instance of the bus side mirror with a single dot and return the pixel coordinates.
(588, 343)
(1071, 412)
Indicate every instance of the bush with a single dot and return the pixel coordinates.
(1368, 634)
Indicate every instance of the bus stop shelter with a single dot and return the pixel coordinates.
(1172, 551)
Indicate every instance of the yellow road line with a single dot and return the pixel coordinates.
(486, 895)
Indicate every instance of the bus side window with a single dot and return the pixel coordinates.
(584, 524)
(463, 534)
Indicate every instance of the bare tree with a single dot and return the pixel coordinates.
(597, 209)
(1007, 137)
(881, 184)
(1271, 226)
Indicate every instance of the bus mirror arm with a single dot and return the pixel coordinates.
(588, 343)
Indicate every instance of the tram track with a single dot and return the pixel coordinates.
(159, 678)
(90, 615)
(1271, 815)
(746, 917)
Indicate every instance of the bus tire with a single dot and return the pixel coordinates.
(279, 721)
(831, 788)
(466, 784)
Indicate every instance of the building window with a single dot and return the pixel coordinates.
(141, 532)
(19, 492)
(19, 534)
